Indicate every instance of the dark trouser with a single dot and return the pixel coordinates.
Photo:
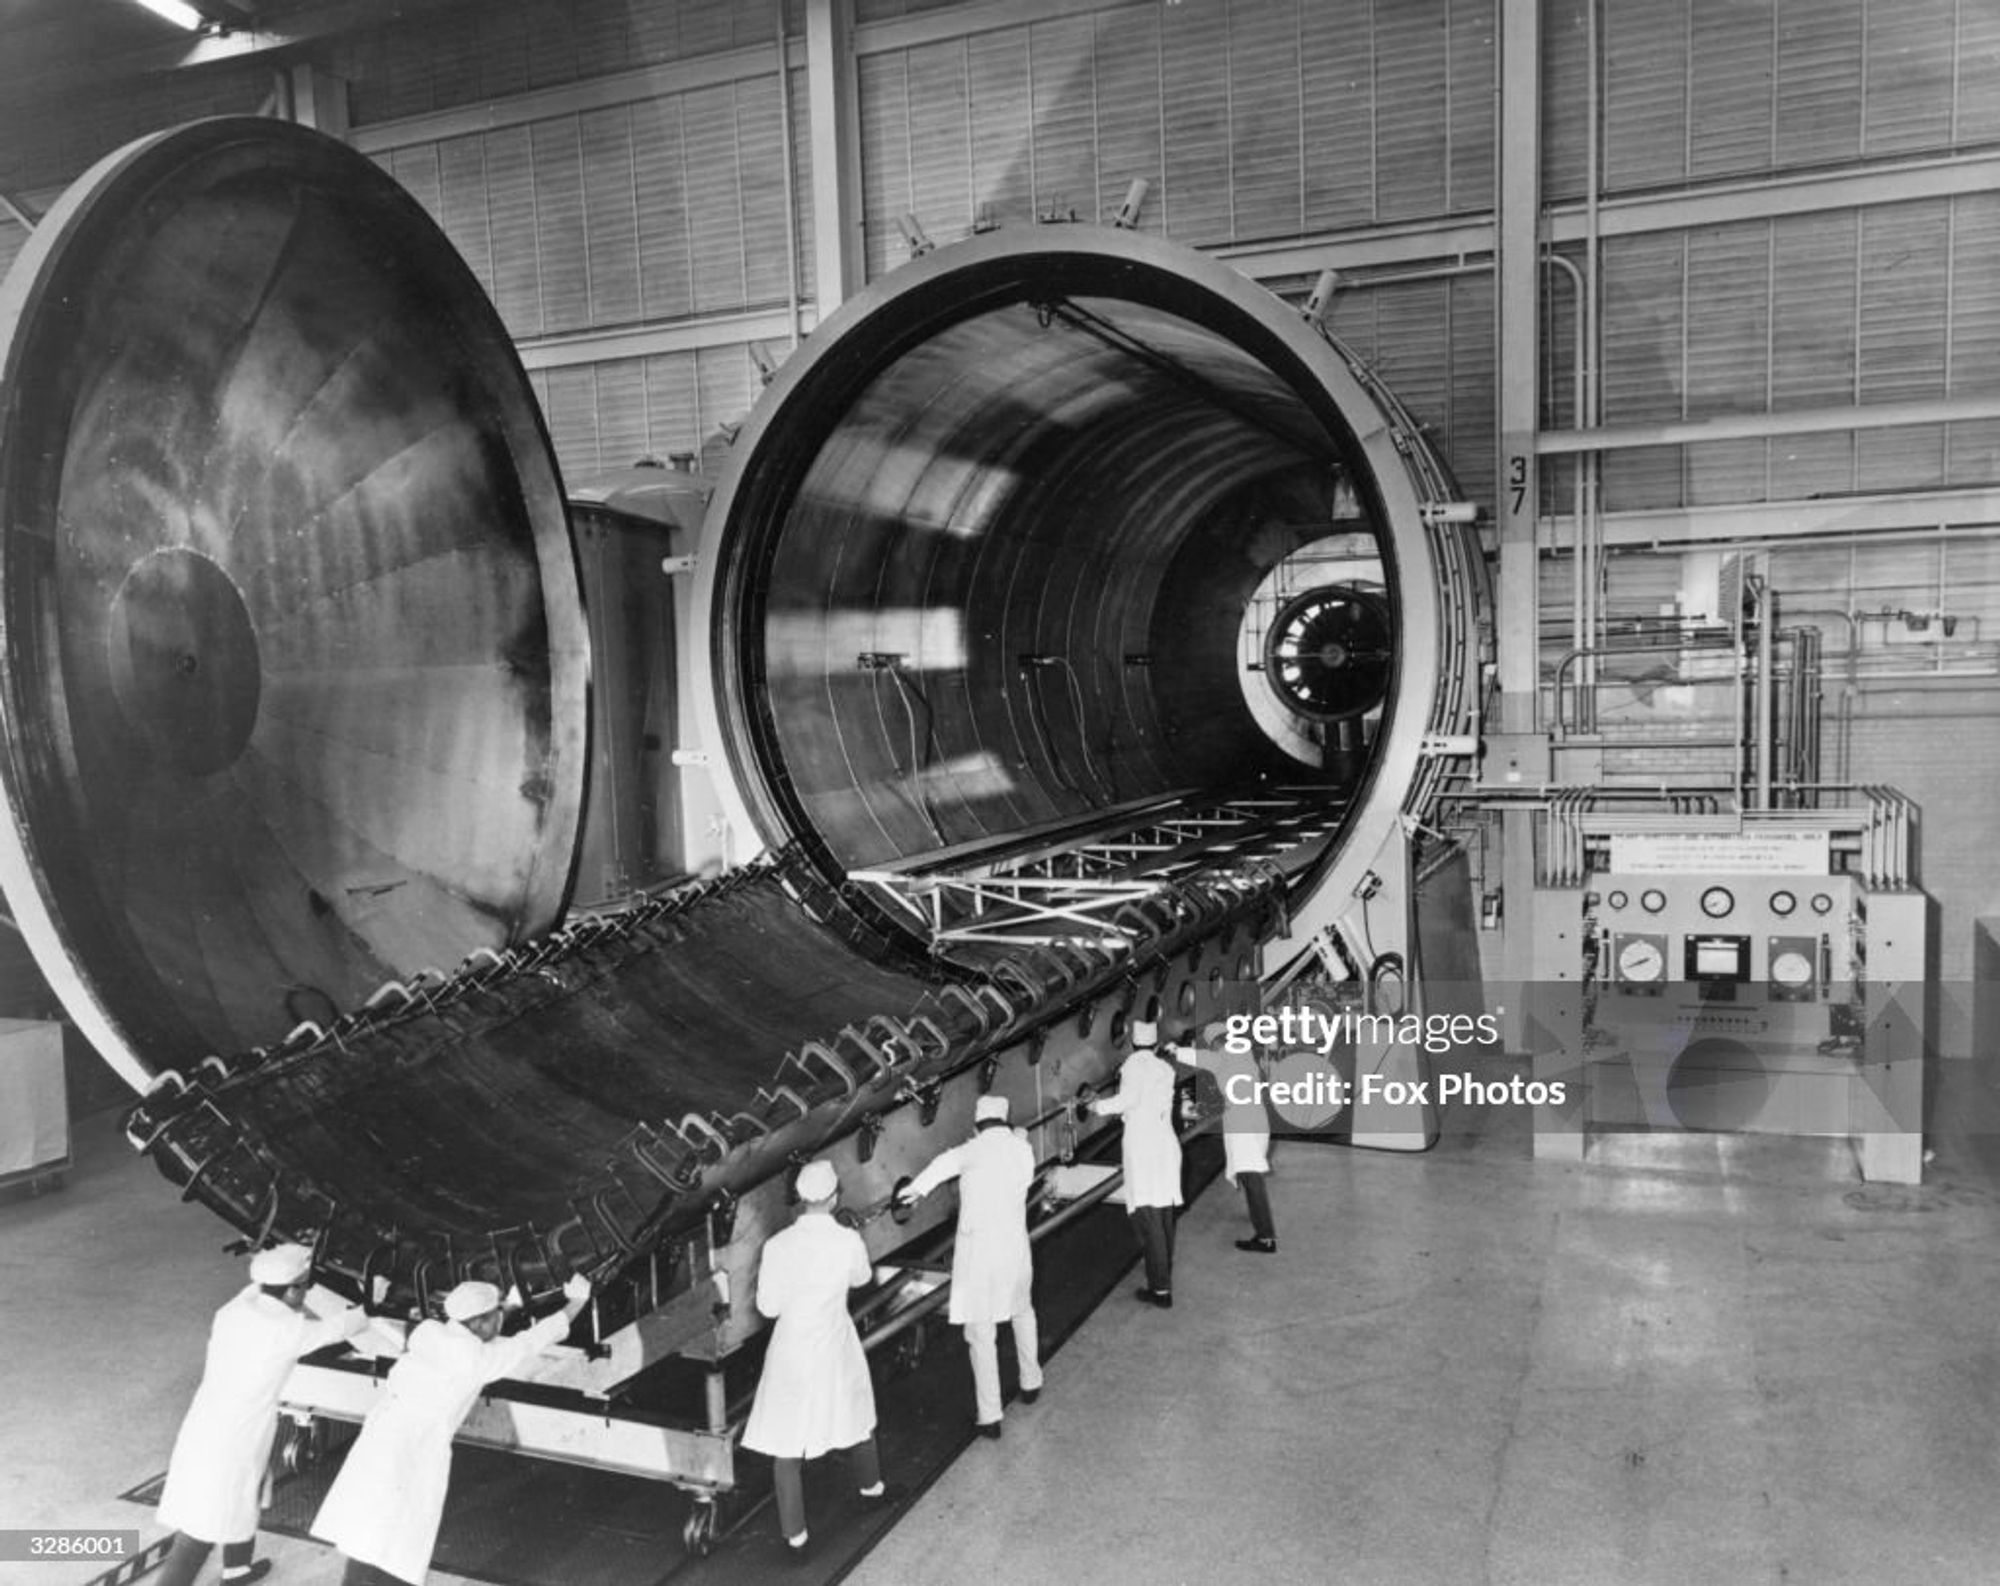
(188, 1554)
(1154, 1226)
(360, 1574)
(1257, 1196)
(788, 1477)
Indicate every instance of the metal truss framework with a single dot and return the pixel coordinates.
(1080, 893)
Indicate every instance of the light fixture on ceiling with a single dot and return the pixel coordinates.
(177, 12)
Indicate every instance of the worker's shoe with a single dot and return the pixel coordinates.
(989, 1429)
(891, 1494)
(1030, 1395)
(1160, 1297)
(1263, 1247)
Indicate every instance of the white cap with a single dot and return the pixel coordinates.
(1145, 1033)
(285, 1264)
(471, 1299)
(989, 1107)
(818, 1181)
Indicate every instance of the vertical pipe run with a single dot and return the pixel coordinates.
(1765, 697)
(792, 287)
(1591, 533)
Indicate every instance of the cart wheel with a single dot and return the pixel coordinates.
(298, 1448)
(698, 1535)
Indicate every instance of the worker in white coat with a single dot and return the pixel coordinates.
(1246, 1129)
(215, 1479)
(992, 1270)
(384, 1507)
(815, 1393)
(1150, 1155)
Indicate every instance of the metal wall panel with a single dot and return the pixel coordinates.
(1644, 362)
(1470, 103)
(510, 222)
(480, 51)
(651, 210)
(1266, 157)
(1728, 355)
(1731, 117)
(560, 247)
(1908, 50)
(571, 410)
(1251, 120)
(462, 205)
(1194, 78)
(610, 215)
(714, 197)
(622, 433)
(1645, 77)
(939, 151)
(659, 181)
(1976, 100)
(1903, 326)
(1129, 131)
(610, 414)
(50, 135)
(1565, 98)
(1711, 88)
(1819, 81)
(882, 91)
(1337, 55)
(417, 171)
(759, 139)
(1973, 346)
(1062, 73)
(1411, 77)
(996, 75)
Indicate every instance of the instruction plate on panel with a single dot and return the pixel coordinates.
(1724, 853)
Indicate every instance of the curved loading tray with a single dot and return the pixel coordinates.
(565, 1106)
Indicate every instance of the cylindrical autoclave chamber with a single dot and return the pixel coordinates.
(294, 691)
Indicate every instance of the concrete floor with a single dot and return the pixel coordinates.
(1691, 1359)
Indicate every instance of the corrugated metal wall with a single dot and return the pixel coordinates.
(1695, 90)
(487, 51)
(657, 210)
(1251, 119)
(608, 415)
(1894, 303)
(50, 138)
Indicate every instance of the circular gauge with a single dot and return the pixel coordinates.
(1782, 902)
(1791, 968)
(1717, 901)
(1822, 903)
(1618, 900)
(1652, 900)
(1641, 961)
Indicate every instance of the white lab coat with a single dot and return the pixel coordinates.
(991, 1267)
(385, 1505)
(1151, 1153)
(216, 1474)
(815, 1393)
